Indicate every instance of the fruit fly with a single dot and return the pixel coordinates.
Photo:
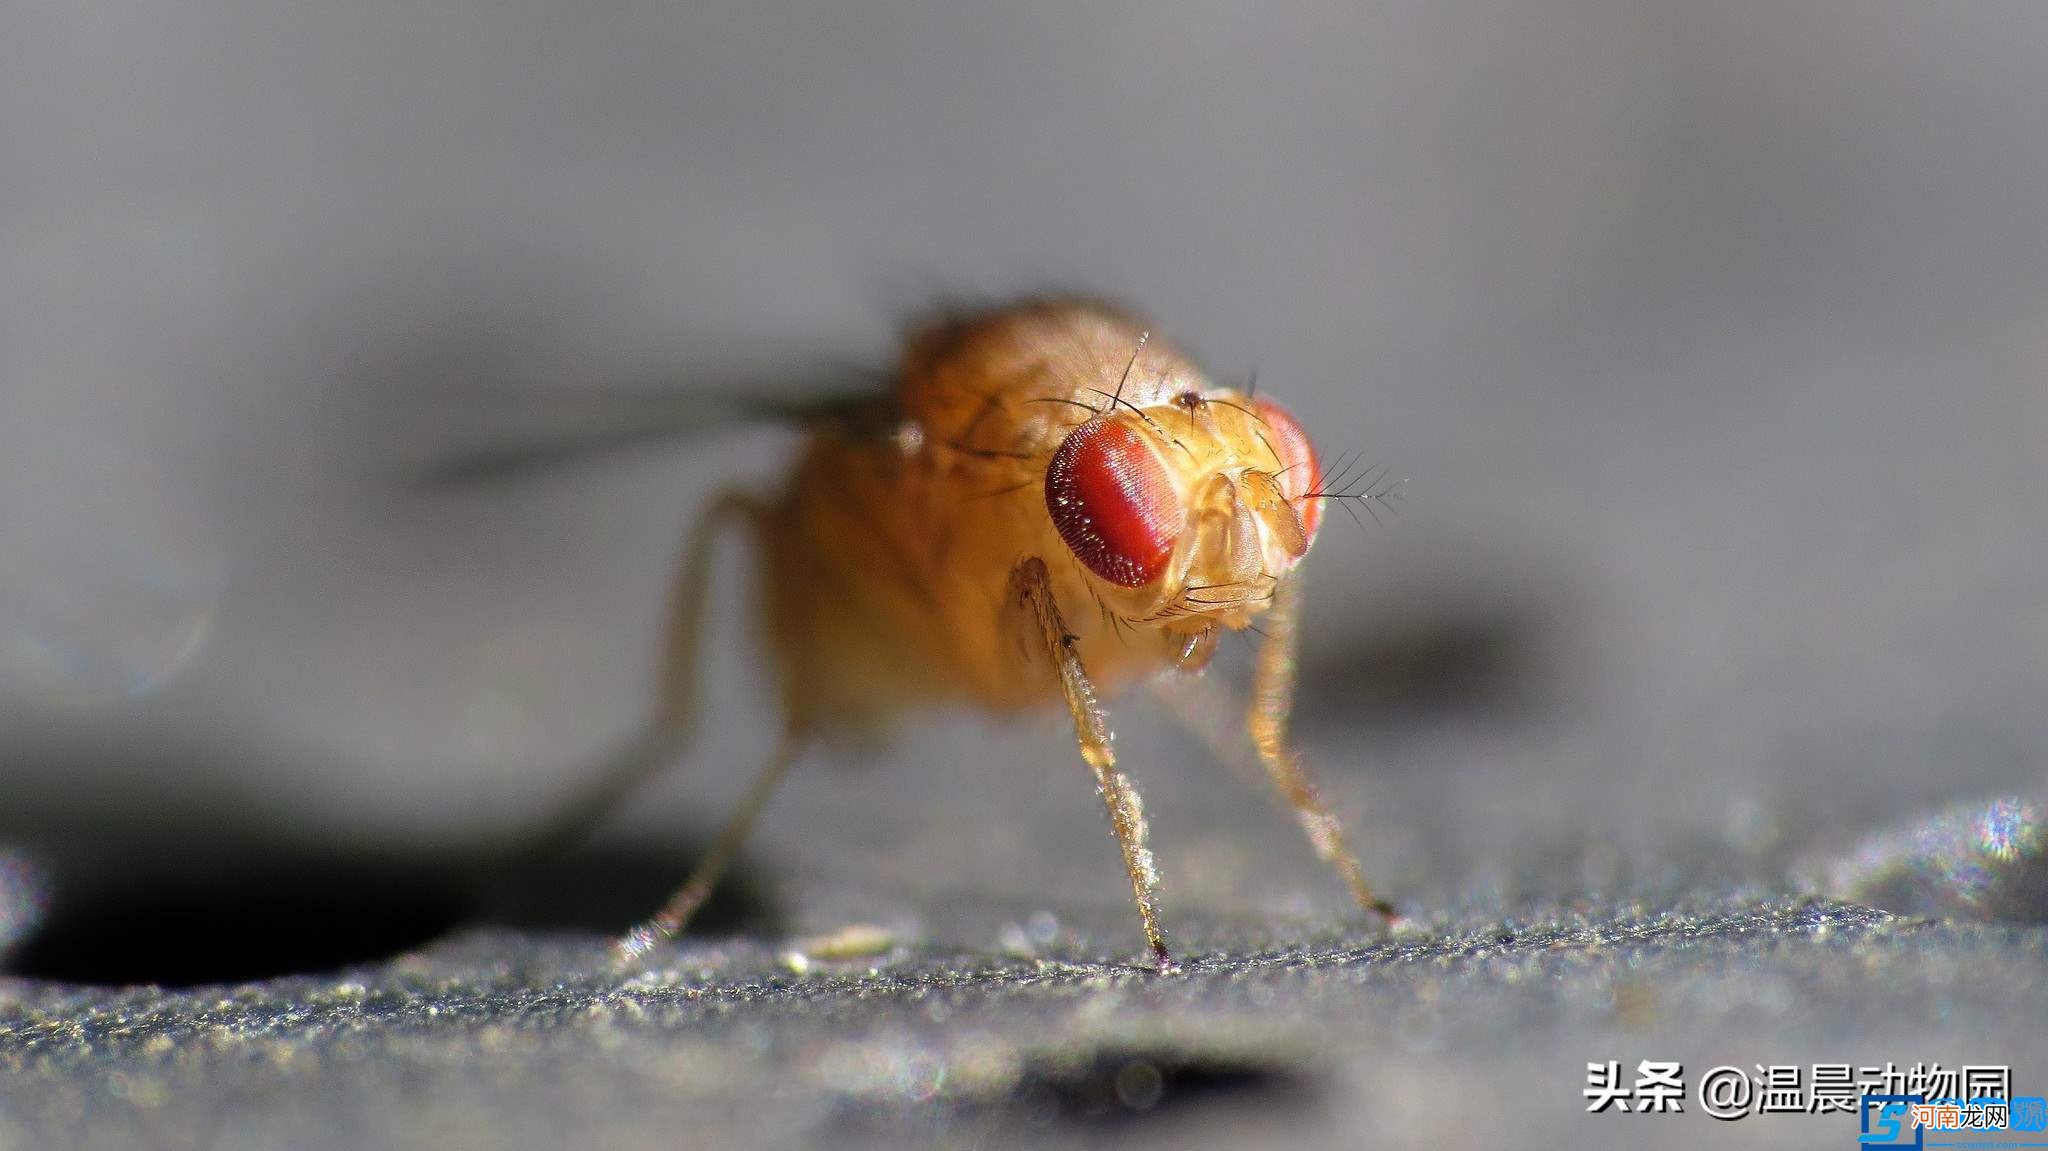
(1050, 507)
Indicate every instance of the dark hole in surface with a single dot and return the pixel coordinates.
(278, 914)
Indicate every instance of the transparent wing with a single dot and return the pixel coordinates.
(503, 436)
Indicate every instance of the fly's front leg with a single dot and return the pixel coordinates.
(1272, 701)
(1031, 589)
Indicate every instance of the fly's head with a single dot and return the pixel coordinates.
(1187, 513)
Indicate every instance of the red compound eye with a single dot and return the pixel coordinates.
(1300, 471)
(1113, 503)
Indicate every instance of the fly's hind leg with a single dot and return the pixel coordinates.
(1031, 589)
(695, 890)
(628, 769)
(1272, 701)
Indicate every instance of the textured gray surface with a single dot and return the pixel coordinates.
(1467, 1029)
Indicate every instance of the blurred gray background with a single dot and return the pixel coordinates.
(1710, 336)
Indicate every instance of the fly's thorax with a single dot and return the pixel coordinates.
(1005, 380)
(1186, 514)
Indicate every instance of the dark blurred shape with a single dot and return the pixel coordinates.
(1493, 658)
(1974, 860)
(24, 896)
(274, 917)
(1102, 1089)
(1118, 1084)
(276, 913)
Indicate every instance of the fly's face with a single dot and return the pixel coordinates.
(1187, 513)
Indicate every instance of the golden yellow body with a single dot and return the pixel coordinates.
(921, 552)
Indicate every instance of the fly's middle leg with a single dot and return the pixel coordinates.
(1031, 589)
(1272, 701)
